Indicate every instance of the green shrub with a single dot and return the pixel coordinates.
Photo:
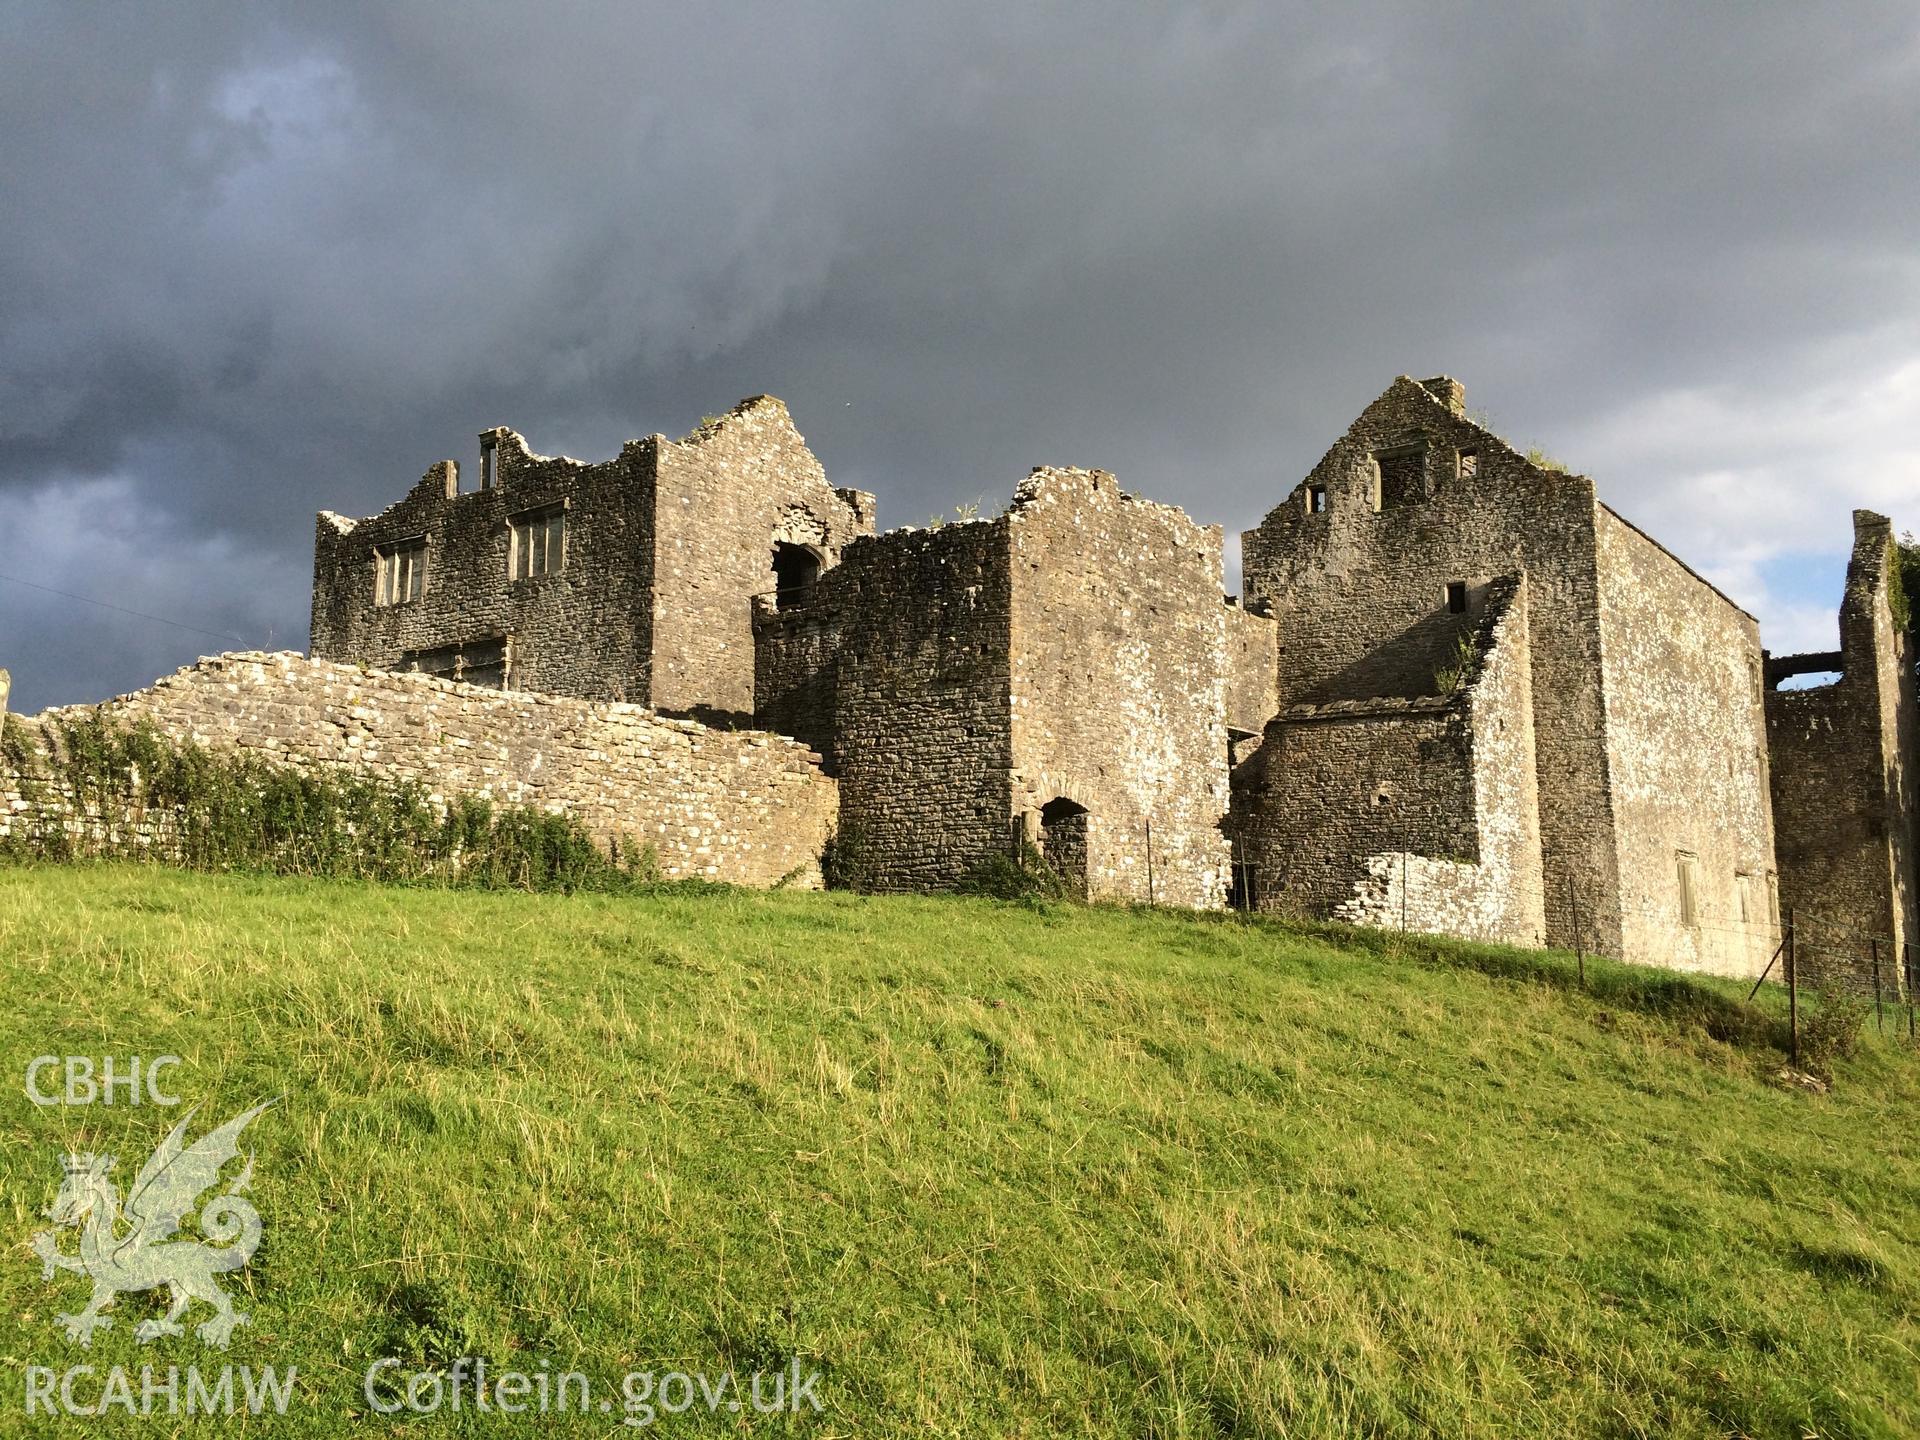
(1021, 876)
(845, 863)
(1831, 1028)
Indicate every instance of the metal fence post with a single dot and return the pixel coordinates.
(1793, 990)
(1579, 951)
(1878, 1025)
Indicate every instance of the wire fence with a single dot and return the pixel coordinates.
(1817, 958)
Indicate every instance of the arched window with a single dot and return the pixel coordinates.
(795, 568)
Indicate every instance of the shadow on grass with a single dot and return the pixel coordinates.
(1712, 1005)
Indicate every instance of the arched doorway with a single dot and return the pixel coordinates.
(1063, 842)
(795, 568)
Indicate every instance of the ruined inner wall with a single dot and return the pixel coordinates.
(1253, 670)
(1119, 682)
(737, 806)
(1843, 782)
(584, 631)
(1686, 756)
(1408, 812)
(1359, 598)
(904, 648)
(728, 493)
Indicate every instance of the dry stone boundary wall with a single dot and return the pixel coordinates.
(737, 806)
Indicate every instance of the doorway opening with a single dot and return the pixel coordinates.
(1063, 843)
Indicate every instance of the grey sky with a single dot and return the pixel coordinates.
(255, 263)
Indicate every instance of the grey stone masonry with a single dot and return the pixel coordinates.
(1844, 782)
(631, 579)
(1411, 812)
(1650, 749)
(738, 806)
(1057, 674)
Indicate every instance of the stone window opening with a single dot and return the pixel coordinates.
(1456, 597)
(539, 543)
(400, 571)
(489, 463)
(1399, 476)
(486, 662)
(1063, 842)
(1469, 464)
(1687, 872)
(796, 569)
(1316, 499)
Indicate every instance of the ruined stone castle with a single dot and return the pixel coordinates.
(1459, 694)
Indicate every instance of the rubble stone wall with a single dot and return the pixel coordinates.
(665, 546)
(728, 494)
(736, 806)
(1377, 560)
(1686, 760)
(1415, 812)
(1119, 683)
(901, 656)
(1843, 779)
(584, 631)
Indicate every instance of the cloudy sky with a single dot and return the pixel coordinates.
(256, 262)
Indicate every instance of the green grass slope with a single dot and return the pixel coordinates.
(993, 1170)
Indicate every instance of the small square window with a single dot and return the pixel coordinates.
(1400, 476)
(1316, 499)
(1456, 597)
(1469, 464)
(400, 571)
(539, 544)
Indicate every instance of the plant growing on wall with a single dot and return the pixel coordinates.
(1452, 677)
(102, 790)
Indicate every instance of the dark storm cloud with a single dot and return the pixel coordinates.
(254, 264)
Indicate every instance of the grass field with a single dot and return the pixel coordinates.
(991, 1169)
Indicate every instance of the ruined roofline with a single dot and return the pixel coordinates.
(1031, 490)
(1454, 410)
(1695, 574)
(1867, 574)
(507, 438)
(1458, 413)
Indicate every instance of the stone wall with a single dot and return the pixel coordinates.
(1843, 780)
(1686, 760)
(1119, 683)
(1414, 812)
(961, 680)
(1360, 567)
(900, 657)
(584, 631)
(1359, 595)
(737, 806)
(664, 547)
(1253, 670)
(728, 494)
